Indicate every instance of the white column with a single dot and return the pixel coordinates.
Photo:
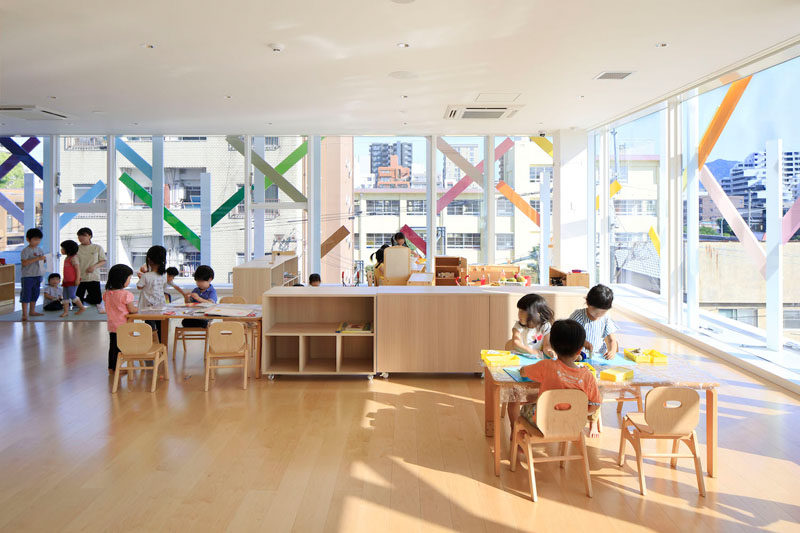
(601, 201)
(259, 196)
(314, 203)
(248, 196)
(111, 202)
(674, 289)
(692, 126)
(205, 218)
(490, 241)
(29, 199)
(591, 215)
(50, 226)
(157, 191)
(774, 269)
(569, 200)
(431, 203)
(544, 229)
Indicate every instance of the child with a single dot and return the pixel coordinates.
(172, 273)
(399, 239)
(152, 282)
(72, 277)
(52, 293)
(203, 293)
(530, 335)
(119, 303)
(90, 257)
(379, 268)
(32, 258)
(567, 337)
(314, 280)
(595, 320)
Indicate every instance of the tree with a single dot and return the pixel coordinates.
(14, 179)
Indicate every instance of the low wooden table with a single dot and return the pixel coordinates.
(679, 372)
(181, 311)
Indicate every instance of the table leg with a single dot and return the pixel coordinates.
(498, 430)
(488, 404)
(165, 332)
(258, 349)
(712, 430)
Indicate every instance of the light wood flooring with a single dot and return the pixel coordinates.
(298, 454)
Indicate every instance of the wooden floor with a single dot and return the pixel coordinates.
(407, 454)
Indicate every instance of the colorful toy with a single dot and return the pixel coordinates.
(499, 358)
(587, 365)
(616, 373)
(638, 355)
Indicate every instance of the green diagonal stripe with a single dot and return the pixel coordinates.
(169, 217)
(231, 203)
(269, 172)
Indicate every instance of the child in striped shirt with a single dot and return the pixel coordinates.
(594, 318)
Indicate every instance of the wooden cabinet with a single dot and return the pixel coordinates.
(251, 279)
(450, 270)
(560, 278)
(6, 287)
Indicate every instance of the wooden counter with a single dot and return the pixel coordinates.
(415, 329)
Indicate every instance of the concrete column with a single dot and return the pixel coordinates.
(569, 200)
(490, 240)
(774, 268)
(314, 203)
(544, 229)
(111, 202)
(248, 195)
(50, 243)
(691, 116)
(157, 192)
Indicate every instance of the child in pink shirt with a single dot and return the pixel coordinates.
(567, 337)
(119, 303)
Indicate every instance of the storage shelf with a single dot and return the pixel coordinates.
(310, 329)
(320, 366)
(357, 366)
(283, 366)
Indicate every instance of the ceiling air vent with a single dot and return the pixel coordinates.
(458, 112)
(613, 75)
(30, 112)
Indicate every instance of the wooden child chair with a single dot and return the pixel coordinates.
(135, 341)
(250, 326)
(226, 340)
(397, 262)
(554, 425)
(669, 413)
(184, 333)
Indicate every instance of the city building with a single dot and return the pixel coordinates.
(380, 154)
(393, 175)
(450, 172)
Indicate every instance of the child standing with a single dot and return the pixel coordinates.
(32, 258)
(203, 293)
(567, 337)
(530, 335)
(72, 277)
(172, 273)
(152, 283)
(52, 293)
(119, 303)
(595, 320)
(90, 257)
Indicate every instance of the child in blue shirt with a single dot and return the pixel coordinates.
(32, 258)
(594, 318)
(203, 293)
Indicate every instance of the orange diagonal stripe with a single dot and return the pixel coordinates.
(506, 190)
(720, 119)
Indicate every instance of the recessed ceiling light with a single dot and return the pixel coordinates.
(135, 123)
(403, 45)
(580, 97)
(404, 96)
(539, 123)
(269, 123)
(276, 48)
(405, 123)
(403, 111)
(148, 46)
(228, 97)
(402, 1)
(52, 97)
(661, 45)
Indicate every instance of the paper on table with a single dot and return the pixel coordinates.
(515, 375)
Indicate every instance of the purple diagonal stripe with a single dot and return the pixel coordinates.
(24, 157)
(13, 159)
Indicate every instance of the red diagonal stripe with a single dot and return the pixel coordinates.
(414, 238)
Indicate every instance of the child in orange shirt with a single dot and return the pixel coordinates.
(566, 338)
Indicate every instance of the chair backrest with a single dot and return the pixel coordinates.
(135, 338)
(232, 300)
(397, 261)
(226, 337)
(672, 410)
(568, 419)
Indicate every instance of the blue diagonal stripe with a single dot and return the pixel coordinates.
(11, 207)
(86, 198)
(137, 160)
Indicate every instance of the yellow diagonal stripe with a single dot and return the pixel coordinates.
(654, 238)
(613, 189)
(544, 144)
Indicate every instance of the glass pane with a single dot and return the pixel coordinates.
(12, 186)
(134, 214)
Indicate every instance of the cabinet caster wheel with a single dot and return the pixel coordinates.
(385, 375)
(271, 377)
(370, 377)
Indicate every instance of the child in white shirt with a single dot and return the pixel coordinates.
(152, 282)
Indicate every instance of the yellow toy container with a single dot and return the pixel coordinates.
(499, 358)
(616, 373)
(645, 356)
(590, 367)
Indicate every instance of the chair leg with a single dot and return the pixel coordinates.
(115, 383)
(155, 375)
(623, 432)
(244, 372)
(673, 462)
(637, 446)
(503, 407)
(639, 399)
(164, 359)
(531, 473)
(183, 338)
(175, 339)
(586, 476)
(205, 359)
(514, 448)
(698, 467)
(562, 451)
(620, 401)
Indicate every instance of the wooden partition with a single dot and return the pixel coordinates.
(252, 278)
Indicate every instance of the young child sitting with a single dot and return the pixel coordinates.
(314, 280)
(172, 273)
(595, 320)
(567, 337)
(203, 293)
(530, 335)
(52, 293)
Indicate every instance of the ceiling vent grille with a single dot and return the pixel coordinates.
(613, 75)
(465, 112)
(31, 112)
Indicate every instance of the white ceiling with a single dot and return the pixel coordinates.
(334, 75)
